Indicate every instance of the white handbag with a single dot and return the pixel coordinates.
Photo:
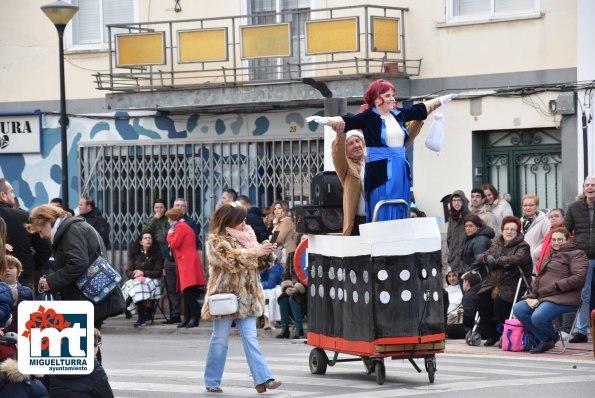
(223, 304)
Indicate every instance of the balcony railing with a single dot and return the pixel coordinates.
(328, 43)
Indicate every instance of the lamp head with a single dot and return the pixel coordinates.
(59, 12)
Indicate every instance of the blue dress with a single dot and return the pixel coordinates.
(387, 173)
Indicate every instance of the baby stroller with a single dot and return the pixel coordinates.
(8, 342)
(473, 337)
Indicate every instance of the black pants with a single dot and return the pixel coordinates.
(172, 295)
(456, 331)
(191, 308)
(492, 312)
(356, 223)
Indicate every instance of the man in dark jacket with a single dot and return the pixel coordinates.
(580, 220)
(31, 250)
(157, 225)
(254, 218)
(92, 215)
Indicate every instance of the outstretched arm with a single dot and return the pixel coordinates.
(336, 122)
(436, 103)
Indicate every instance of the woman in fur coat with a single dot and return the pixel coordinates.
(234, 257)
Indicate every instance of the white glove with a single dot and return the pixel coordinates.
(445, 99)
(317, 119)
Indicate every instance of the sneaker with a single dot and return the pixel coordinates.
(579, 338)
(140, 324)
(543, 347)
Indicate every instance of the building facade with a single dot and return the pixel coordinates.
(193, 119)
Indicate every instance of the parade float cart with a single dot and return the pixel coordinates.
(377, 296)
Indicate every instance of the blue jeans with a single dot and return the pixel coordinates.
(582, 323)
(539, 320)
(217, 353)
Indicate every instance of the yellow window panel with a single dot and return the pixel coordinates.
(140, 49)
(202, 45)
(260, 41)
(385, 34)
(332, 36)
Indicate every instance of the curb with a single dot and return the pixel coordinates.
(121, 325)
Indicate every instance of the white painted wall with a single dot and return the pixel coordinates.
(585, 69)
(436, 175)
(29, 52)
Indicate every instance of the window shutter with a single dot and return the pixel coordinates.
(508, 6)
(85, 24)
(470, 7)
(116, 11)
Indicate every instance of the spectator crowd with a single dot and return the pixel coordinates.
(536, 266)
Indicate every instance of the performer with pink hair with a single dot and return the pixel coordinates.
(387, 173)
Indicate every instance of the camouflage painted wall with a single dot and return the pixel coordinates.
(36, 177)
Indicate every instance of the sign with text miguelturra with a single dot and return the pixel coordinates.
(56, 337)
(20, 132)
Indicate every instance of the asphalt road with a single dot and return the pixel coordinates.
(147, 365)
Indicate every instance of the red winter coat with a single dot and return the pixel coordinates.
(182, 242)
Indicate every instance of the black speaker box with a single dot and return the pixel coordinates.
(318, 219)
(326, 190)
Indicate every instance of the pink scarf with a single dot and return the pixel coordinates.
(244, 234)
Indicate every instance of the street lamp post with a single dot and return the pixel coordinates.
(60, 13)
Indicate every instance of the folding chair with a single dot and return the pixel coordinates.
(158, 304)
(564, 342)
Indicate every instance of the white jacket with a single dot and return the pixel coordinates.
(500, 209)
(535, 234)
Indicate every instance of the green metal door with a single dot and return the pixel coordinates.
(519, 162)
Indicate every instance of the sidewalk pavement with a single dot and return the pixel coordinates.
(121, 325)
